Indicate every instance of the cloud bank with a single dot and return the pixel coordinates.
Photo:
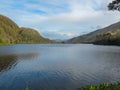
(60, 19)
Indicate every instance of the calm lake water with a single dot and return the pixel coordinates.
(57, 66)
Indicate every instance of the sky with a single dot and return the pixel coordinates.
(60, 19)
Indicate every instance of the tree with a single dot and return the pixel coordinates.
(114, 5)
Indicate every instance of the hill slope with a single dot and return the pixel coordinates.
(28, 35)
(10, 33)
(8, 30)
(109, 38)
(91, 37)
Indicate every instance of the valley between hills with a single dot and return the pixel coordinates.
(11, 33)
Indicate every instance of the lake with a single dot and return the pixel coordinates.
(57, 66)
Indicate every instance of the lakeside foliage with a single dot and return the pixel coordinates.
(104, 86)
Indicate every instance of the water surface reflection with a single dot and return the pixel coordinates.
(9, 61)
(58, 66)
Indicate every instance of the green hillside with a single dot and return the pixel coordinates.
(8, 30)
(28, 35)
(10, 33)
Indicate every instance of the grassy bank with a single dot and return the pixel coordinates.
(4, 44)
(104, 86)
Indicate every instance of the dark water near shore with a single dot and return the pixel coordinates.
(57, 67)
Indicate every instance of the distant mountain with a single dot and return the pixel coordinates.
(92, 37)
(10, 33)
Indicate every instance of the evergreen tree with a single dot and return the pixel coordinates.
(114, 5)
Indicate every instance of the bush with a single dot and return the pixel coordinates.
(104, 86)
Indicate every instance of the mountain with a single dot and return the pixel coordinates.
(28, 35)
(8, 30)
(92, 37)
(11, 33)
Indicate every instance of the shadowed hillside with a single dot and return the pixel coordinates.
(92, 37)
(109, 38)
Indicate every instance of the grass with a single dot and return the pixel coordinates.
(27, 88)
(4, 44)
(104, 86)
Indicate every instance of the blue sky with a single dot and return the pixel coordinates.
(60, 19)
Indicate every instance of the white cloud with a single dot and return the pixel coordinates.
(63, 16)
(57, 34)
